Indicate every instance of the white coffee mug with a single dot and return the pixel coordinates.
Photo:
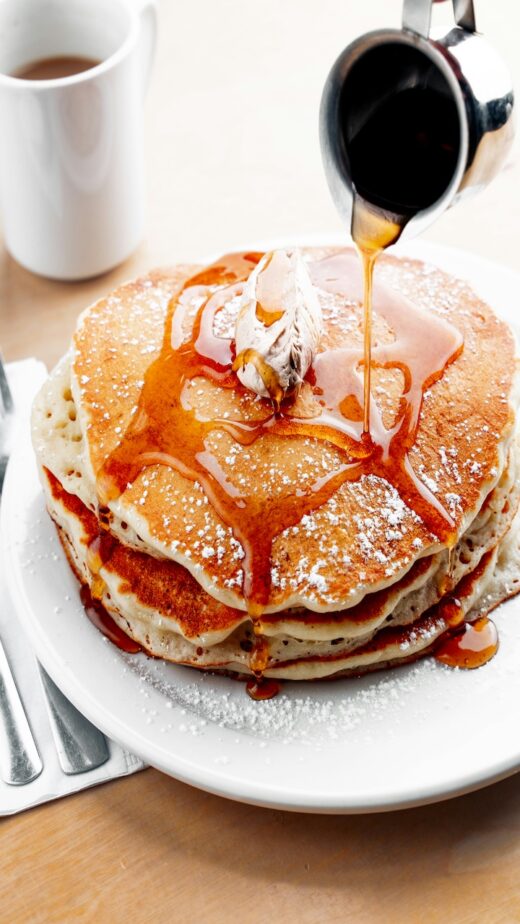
(71, 154)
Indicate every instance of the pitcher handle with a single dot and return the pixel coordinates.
(417, 16)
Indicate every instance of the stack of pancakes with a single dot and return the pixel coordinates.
(360, 582)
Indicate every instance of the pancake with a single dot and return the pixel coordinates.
(162, 607)
(358, 571)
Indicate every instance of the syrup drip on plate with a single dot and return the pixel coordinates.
(470, 647)
(103, 621)
(262, 689)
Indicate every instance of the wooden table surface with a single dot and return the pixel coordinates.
(233, 156)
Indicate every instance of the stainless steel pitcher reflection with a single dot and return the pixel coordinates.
(387, 61)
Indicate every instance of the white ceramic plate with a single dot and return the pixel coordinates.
(399, 738)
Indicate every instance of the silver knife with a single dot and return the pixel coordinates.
(79, 744)
(19, 759)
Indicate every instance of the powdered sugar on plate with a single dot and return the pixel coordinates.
(316, 714)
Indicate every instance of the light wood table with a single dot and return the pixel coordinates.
(233, 156)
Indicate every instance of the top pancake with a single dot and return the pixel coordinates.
(364, 537)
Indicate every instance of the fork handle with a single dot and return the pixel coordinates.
(19, 759)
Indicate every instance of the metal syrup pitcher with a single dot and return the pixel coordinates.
(413, 123)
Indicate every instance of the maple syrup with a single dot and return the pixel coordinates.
(103, 621)
(259, 656)
(372, 232)
(99, 551)
(402, 152)
(267, 308)
(470, 647)
(262, 688)
(269, 377)
(164, 431)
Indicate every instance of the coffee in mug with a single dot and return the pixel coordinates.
(54, 68)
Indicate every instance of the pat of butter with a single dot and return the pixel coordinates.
(278, 327)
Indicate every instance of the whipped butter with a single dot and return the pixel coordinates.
(278, 327)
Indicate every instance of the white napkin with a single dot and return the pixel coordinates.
(25, 378)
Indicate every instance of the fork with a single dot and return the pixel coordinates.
(79, 745)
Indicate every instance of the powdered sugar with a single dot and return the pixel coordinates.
(328, 712)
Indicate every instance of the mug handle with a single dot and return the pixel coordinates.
(417, 16)
(147, 13)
